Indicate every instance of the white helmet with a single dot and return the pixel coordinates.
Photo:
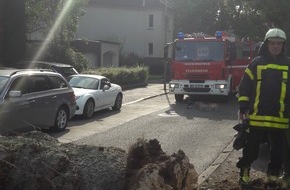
(275, 33)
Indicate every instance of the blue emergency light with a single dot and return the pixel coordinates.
(180, 35)
(219, 34)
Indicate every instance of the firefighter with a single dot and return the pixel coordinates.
(264, 99)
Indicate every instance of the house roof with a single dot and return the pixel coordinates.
(130, 3)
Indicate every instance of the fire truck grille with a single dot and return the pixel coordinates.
(196, 89)
(195, 77)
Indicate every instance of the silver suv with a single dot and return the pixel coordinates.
(36, 99)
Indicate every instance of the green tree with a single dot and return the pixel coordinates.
(242, 18)
(246, 18)
(275, 13)
(196, 15)
(254, 17)
(57, 21)
(42, 15)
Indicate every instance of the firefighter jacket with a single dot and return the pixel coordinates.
(264, 92)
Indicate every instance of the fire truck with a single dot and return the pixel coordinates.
(208, 65)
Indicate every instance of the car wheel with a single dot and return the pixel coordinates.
(61, 119)
(118, 102)
(89, 109)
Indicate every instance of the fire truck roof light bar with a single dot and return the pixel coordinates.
(218, 34)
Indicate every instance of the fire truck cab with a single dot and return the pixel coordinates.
(208, 65)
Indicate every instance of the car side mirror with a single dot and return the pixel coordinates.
(14, 93)
(106, 87)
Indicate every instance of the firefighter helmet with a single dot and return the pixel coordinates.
(275, 33)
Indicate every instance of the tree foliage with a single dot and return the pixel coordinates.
(245, 18)
(42, 15)
(254, 17)
(196, 15)
(57, 21)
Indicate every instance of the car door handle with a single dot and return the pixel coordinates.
(53, 98)
(30, 101)
(26, 103)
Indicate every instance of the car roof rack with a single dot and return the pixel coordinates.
(41, 70)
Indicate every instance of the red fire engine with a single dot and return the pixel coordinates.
(204, 65)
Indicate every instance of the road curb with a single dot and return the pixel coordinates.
(145, 98)
(216, 163)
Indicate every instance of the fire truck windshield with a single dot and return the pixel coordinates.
(199, 51)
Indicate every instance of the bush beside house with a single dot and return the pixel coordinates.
(124, 76)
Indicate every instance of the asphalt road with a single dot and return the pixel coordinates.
(203, 132)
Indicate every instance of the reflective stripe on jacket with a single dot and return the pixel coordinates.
(264, 90)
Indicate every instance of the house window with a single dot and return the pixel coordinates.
(150, 48)
(151, 20)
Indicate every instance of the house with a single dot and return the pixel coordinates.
(139, 26)
(98, 53)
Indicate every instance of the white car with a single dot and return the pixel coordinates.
(94, 93)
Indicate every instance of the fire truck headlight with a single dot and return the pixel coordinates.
(220, 86)
(173, 85)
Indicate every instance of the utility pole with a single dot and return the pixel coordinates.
(165, 42)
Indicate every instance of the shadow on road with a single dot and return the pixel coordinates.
(207, 107)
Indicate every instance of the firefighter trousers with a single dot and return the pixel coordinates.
(275, 138)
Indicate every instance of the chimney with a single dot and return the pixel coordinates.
(143, 3)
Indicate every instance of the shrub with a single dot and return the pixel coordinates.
(123, 75)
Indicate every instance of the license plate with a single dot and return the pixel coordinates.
(196, 86)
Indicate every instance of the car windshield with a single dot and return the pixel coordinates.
(3, 81)
(84, 82)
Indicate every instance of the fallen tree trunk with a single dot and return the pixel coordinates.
(35, 161)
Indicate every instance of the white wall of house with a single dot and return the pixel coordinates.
(128, 26)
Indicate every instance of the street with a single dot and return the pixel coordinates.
(202, 132)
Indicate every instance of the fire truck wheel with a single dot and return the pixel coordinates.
(179, 97)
